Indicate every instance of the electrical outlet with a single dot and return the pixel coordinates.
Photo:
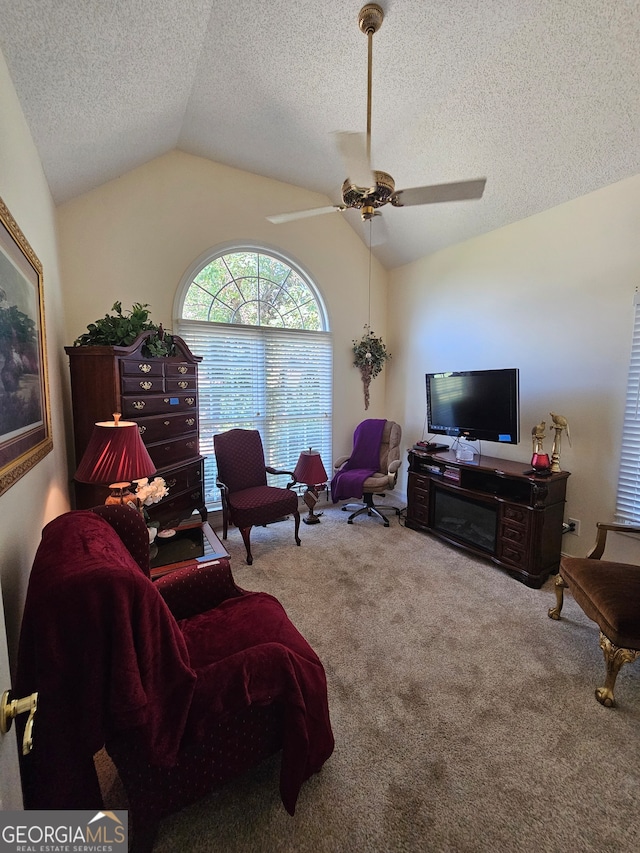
(575, 529)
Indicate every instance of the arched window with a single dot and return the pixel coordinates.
(260, 325)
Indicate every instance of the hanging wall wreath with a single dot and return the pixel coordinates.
(370, 354)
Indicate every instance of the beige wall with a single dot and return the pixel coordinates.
(134, 238)
(551, 295)
(41, 494)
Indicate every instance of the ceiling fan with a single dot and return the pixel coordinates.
(366, 189)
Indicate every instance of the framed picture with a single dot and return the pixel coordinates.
(25, 416)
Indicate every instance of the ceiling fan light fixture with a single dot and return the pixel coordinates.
(368, 197)
(367, 213)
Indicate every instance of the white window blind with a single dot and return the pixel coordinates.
(277, 381)
(628, 499)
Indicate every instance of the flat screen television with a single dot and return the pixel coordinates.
(475, 404)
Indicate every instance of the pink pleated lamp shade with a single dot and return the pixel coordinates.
(115, 454)
(309, 469)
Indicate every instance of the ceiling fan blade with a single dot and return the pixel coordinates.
(353, 150)
(279, 218)
(458, 191)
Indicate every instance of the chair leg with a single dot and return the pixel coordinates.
(614, 657)
(246, 537)
(296, 516)
(559, 587)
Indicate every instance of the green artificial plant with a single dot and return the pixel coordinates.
(370, 354)
(121, 328)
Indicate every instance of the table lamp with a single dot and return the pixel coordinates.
(310, 471)
(116, 455)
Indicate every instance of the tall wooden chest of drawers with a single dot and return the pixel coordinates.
(161, 396)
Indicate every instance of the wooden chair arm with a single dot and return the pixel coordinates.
(271, 470)
(601, 538)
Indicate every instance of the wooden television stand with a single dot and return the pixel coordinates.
(491, 508)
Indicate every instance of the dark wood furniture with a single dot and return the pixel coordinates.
(491, 508)
(161, 396)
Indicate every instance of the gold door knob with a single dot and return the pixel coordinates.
(10, 708)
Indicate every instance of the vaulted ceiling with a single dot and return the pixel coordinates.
(541, 97)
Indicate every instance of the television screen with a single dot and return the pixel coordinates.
(475, 404)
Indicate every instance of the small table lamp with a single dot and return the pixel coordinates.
(116, 455)
(310, 471)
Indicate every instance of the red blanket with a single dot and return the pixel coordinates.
(106, 655)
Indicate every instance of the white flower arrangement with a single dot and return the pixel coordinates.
(151, 492)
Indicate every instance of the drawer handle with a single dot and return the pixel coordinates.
(190, 444)
(138, 404)
(182, 369)
(190, 421)
(171, 483)
(183, 384)
(146, 385)
(142, 429)
(145, 368)
(189, 400)
(195, 495)
(166, 423)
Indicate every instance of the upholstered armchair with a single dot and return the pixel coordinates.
(188, 681)
(371, 469)
(247, 500)
(609, 594)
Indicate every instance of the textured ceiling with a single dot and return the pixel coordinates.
(541, 97)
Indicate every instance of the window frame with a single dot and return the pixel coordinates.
(181, 323)
(628, 487)
(221, 249)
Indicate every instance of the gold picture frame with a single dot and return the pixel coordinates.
(25, 414)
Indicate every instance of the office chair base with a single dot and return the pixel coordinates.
(370, 508)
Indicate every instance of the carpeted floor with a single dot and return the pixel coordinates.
(465, 719)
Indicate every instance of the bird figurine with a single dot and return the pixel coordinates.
(537, 434)
(540, 463)
(560, 423)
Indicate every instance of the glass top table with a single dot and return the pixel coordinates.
(193, 542)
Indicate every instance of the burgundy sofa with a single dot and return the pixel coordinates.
(188, 681)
